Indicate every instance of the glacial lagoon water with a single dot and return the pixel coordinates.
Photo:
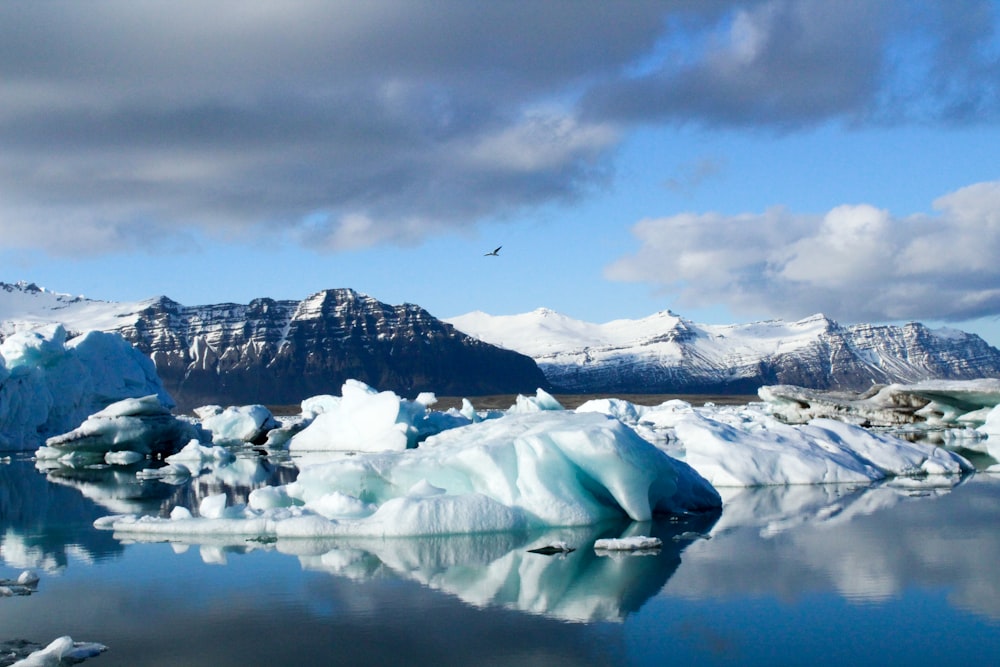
(890, 574)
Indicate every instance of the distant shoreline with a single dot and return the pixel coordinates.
(568, 401)
(573, 401)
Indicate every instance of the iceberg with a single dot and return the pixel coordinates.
(364, 419)
(49, 384)
(142, 425)
(519, 472)
(236, 424)
(62, 651)
(745, 446)
(931, 403)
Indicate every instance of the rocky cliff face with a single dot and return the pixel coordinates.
(279, 352)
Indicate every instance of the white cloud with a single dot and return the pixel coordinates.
(856, 262)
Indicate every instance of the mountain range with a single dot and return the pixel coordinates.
(664, 353)
(281, 351)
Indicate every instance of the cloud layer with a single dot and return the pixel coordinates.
(856, 262)
(345, 124)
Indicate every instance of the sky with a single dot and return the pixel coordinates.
(729, 161)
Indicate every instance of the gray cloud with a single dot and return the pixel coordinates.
(856, 262)
(785, 64)
(343, 124)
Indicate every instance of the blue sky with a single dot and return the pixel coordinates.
(730, 161)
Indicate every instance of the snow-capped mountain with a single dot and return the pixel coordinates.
(279, 352)
(665, 353)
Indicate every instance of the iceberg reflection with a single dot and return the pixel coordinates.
(868, 544)
(496, 570)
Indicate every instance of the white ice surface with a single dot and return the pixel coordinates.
(364, 419)
(242, 423)
(744, 446)
(551, 468)
(62, 651)
(636, 543)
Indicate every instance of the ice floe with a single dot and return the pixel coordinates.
(636, 543)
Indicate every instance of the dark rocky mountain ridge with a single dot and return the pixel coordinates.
(280, 352)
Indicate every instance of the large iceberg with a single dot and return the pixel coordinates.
(520, 472)
(49, 385)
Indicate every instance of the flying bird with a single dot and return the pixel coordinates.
(495, 253)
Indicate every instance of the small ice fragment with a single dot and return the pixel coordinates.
(558, 547)
(637, 543)
(27, 578)
(691, 536)
(123, 458)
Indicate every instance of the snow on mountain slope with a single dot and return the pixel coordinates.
(280, 352)
(24, 306)
(554, 338)
(666, 353)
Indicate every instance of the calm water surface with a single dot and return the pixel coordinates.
(823, 575)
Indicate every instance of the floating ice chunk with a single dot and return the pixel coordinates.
(27, 578)
(468, 411)
(426, 399)
(541, 401)
(197, 454)
(25, 584)
(123, 458)
(62, 651)
(244, 423)
(367, 420)
(141, 425)
(620, 409)
(746, 447)
(174, 470)
(935, 403)
(637, 543)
